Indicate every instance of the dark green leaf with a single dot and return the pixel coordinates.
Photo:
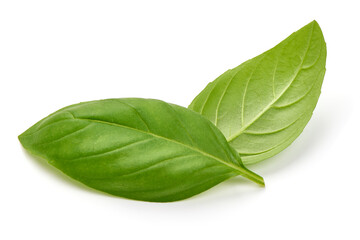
(136, 148)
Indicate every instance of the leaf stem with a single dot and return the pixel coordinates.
(251, 176)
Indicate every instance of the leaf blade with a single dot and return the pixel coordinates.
(288, 76)
(136, 148)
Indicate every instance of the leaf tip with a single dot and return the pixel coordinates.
(22, 139)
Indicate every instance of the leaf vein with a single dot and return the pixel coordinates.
(229, 164)
(234, 136)
(221, 98)
(119, 148)
(137, 112)
(65, 136)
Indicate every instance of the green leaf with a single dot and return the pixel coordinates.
(136, 148)
(264, 104)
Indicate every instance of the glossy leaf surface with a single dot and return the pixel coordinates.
(136, 148)
(264, 104)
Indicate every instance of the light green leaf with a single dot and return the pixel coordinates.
(136, 148)
(263, 105)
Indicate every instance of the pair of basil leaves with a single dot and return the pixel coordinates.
(150, 150)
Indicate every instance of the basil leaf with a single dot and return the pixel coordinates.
(136, 148)
(264, 104)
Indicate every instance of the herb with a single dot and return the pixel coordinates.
(149, 150)
(264, 104)
(136, 148)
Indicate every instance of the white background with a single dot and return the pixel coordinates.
(56, 53)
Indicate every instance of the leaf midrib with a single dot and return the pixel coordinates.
(237, 168)
(241, 130)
